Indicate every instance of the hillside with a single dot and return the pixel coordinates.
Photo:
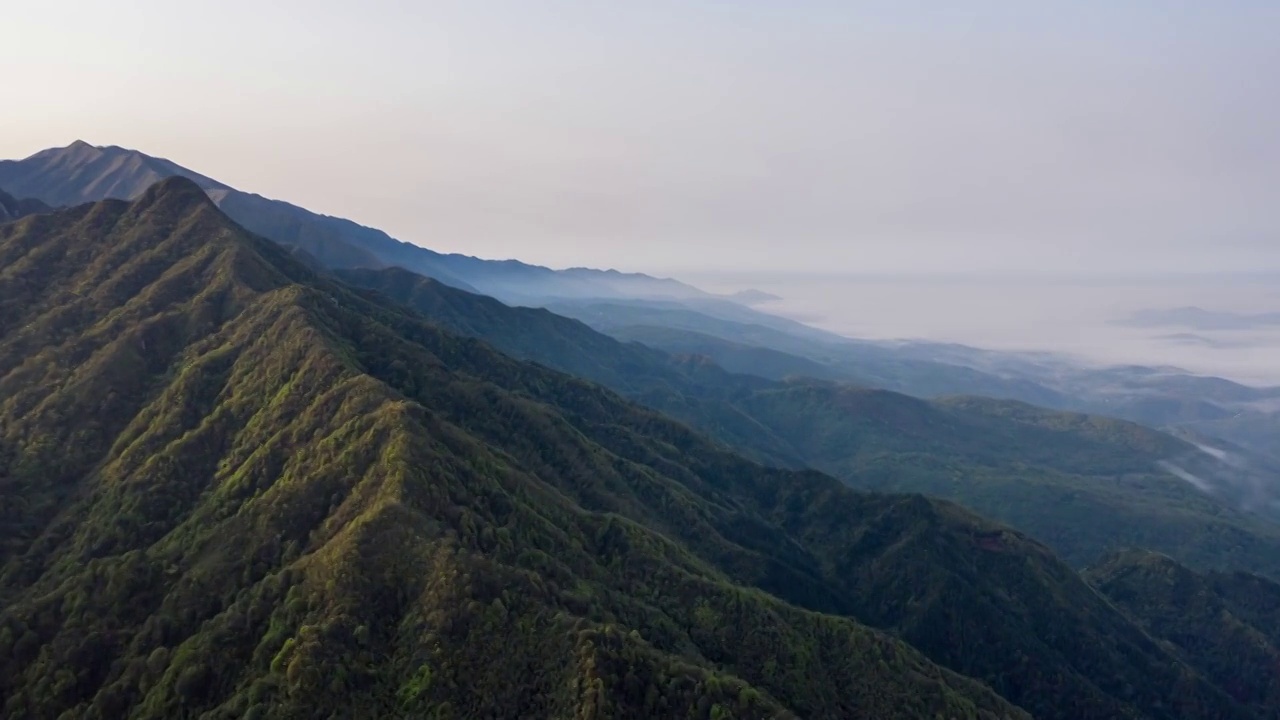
(1083, 484)
(234, 488)
(1227, 626)
(701, 394)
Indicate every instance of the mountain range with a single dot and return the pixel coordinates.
(679, 318)
(234, 487)
(1233, 423)
(1163, 397)
(240, 478)
(82, 173)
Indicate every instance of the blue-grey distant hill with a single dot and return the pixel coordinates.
(1197, 318)
(81, 173)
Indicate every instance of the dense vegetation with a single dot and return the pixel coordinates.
(233, 488)
(1227, 626)
(229, 486)
(1085, 485)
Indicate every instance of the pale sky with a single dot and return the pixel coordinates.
(680, 136)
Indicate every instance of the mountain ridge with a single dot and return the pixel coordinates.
(82, 172)
(603, 299)
(268, 589)
(234, 487)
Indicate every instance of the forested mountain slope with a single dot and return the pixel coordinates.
(234, 488)
(1086, 485)
(1226, 625)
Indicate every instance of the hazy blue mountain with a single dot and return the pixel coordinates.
(1161, 397)
(753, 297)
(1197, 318)
(866, 364)
(12, 208)
(82, 172)
(716, 317)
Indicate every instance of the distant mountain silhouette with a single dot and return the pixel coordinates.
(1198, 318)
(81, 173)
(753, 297)
(12, 208)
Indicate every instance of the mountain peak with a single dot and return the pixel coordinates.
(80, 173)
(76, 153)
(79, 148)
